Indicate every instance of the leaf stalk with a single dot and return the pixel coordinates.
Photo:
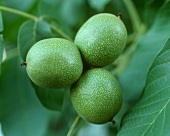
(73, 125)
(35, 18)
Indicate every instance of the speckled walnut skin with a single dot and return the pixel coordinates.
(54, 63)
(96, 96)
(101, 39)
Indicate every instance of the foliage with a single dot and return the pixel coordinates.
(29, 33)
(142, 69)
(144, 55)
(150, 115)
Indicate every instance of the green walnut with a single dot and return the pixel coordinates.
(101, 39)
(54, 63)
(96, 96)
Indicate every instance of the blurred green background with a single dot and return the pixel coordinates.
(23, 106)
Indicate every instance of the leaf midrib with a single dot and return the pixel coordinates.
(150, 124)
(146, 106)
(34, 31)
(157, 117)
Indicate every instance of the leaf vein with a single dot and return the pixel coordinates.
(156, 80)
(34, 31)
(141, 116)
(157, 116)
(155, 93)
(136, 127)
(149, 104)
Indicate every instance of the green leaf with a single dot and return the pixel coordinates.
(21, 5)
(21, 114)
(50, 98)
(150, 117)
(31, 32)
(12, 22)
(151, 7)
(98, 5)
(1, 23)
(66, 13)
(133, 78)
